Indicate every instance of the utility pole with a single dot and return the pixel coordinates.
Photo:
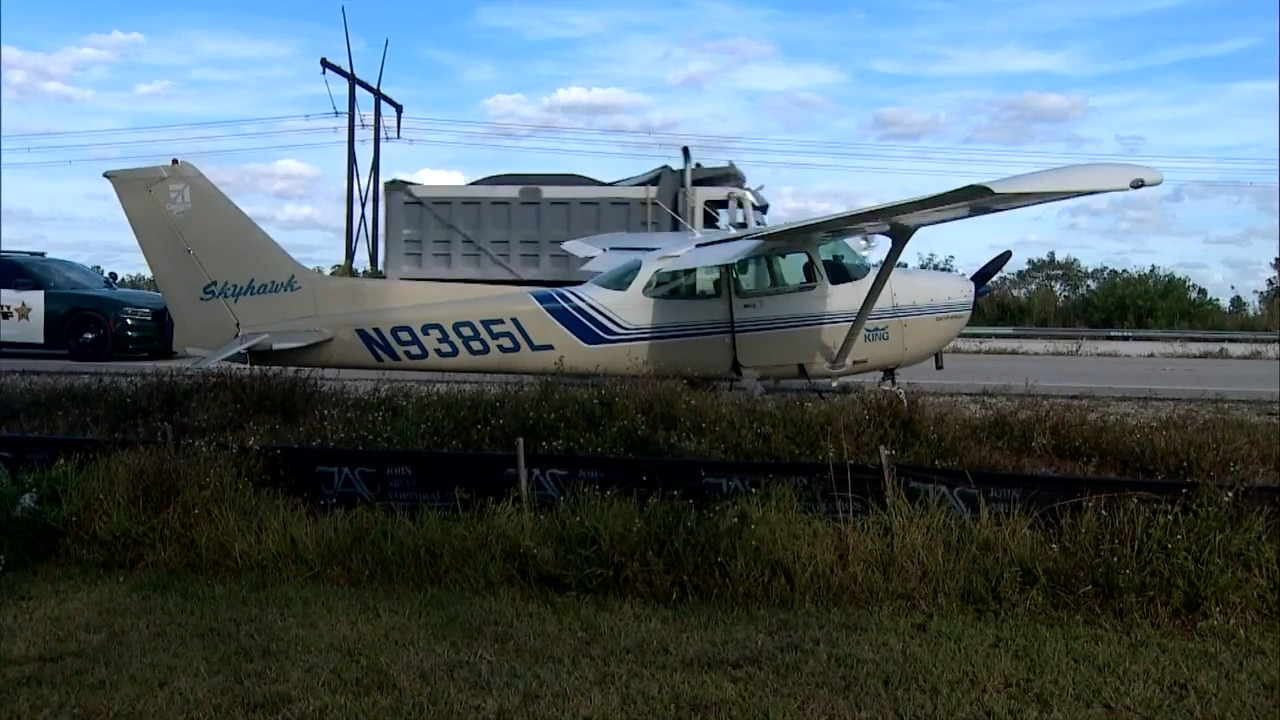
(374, 187)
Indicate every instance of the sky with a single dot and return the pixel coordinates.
(829, 106)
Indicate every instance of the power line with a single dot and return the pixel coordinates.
(648, 148)
(165, 156)
(507, 130)
(484, 140)
(741, 149)
(565, 151)
(516, 144)
(116, 144)
(171, 126)
(697, 138)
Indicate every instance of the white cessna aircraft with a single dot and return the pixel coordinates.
(789, 301)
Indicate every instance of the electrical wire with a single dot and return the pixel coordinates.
(617, 143)
(697, 139)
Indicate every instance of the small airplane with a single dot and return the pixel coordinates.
(791, 301)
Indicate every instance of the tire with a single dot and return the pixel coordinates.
(88, 338)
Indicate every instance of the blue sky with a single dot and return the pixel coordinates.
(828, 106)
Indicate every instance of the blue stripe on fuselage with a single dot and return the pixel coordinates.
(593, 324)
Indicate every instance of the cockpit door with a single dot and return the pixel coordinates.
(779, 308)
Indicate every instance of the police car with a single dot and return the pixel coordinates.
(49, 303)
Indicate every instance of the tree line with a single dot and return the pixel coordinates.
(1063, 292)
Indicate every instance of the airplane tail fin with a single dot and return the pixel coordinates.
(220, 273)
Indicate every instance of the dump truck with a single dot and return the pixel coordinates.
(508, 228)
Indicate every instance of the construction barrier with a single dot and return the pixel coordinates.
(334, 477)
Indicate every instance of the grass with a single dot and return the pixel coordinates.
(661, 418)
(197, 511)
(160, 583)
(96, 644)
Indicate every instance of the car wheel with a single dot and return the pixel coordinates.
(88, 338)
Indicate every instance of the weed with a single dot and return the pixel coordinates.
(197, 510)
(660, 418)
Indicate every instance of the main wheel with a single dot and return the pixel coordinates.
(88, 338)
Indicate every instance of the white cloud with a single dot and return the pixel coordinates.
(607, 108)
(945, 59)
(793, 203)
(29, 74)
(1264, 198)
(1246, 237)
(159, 87)
(1029, 118)
(429, 176)
(905, 123)
(1131, 143)
(301, 216)
(21, 216)
(286, 178)
(1007, 59)
(115, 41)
(1123, 215)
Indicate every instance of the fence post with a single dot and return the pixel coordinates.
(890, 477)
(521, 473)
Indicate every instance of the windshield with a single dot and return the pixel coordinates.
(55, 274)
(620, 277)
(842, 262)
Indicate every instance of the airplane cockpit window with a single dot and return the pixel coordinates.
(620, 277)
(692, 284)
(781, 271)
(842, 263)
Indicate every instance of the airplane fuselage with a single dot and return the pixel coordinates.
(778, 333)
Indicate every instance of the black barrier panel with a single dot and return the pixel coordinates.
(453, 481)
(23, 452)
(409, 479)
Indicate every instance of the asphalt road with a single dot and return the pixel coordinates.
(1236, 379)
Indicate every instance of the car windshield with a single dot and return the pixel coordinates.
(55, 274)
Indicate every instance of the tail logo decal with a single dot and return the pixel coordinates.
(179, 198)
(250, 288)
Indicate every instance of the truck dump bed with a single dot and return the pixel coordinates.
(508, 228)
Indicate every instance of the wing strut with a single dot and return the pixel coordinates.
(898, 237)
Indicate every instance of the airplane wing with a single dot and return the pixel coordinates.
(1010, 193)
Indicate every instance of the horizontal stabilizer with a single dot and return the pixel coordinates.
(273, 341)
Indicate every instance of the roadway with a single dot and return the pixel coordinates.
(1183, 378)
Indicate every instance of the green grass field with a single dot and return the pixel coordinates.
(80, 644)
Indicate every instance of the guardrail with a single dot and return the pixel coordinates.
(335, 477)
(1201, 336)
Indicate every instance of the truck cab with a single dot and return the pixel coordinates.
(728, 208)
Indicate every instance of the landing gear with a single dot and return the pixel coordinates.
(889, 381)
(812, 385)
